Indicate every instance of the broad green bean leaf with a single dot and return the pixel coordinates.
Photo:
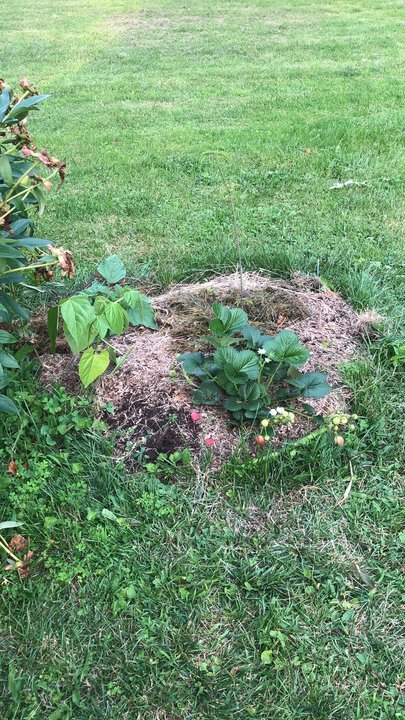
(97, 287)
(131, 296)
(102, 326)
(112, 269)
(100, 304)
(92, 365)
(140, 310)
(116, 317)
(311, 384)
(285, 347)
(101, 323)
(78, 316)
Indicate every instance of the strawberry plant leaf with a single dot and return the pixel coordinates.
(193, 363)
(233, 319)
(206, 394)
(311, 384)
(285, 348)
(242, 361)
(252, 336)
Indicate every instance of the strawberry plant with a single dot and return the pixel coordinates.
(260, 371)
(102, 310)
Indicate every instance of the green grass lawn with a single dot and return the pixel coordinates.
(155, 600)
(297, 96)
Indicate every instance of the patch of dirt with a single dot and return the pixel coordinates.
(150, 409)
(147, 401)
(60, 369)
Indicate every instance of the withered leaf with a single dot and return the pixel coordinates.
(18, 543)
(12, 468)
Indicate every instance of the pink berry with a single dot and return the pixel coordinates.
(339, 440)
(195, 416)
(259, 439)
(209, 441)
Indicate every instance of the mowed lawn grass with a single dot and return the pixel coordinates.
(269, 591)
(298, 96)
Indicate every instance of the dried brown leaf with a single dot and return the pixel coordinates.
(18, 543)
(12, 468)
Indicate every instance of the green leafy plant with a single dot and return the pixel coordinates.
(102, 310)
(394, 350)
(25, 176)
(247, 380)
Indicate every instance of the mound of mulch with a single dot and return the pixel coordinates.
(148, 400)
